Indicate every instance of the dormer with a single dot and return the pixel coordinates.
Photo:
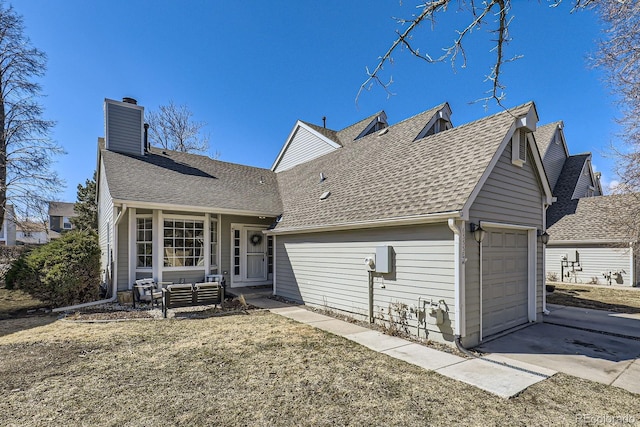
(440, 122)
(124, 126)
(377, 124)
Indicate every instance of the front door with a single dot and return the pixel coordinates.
(249, 255)
(255, 255)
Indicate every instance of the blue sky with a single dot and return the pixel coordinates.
(250, 69)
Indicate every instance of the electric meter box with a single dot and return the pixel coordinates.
(384, 259)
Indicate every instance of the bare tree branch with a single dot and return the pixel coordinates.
(172, 128)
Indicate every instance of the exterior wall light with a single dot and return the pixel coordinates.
(478, 232)
(543, 236)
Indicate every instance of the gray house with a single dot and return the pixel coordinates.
(592, 237)
(375, 220)
(179, 217)
(596, 241)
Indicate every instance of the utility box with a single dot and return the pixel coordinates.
(384, 259)
(573, 256)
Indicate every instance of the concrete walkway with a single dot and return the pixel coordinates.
(595, 345)
(490, 375)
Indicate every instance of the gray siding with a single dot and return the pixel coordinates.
(511, 195)
(105, 219)
(124, 128)
(594, 261)
(584, 182)
(123, 253)
(304, 146)
(327, 270)
(554, 160)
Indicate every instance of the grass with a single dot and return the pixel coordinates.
(15, 302)
(596, 297)
(251, 369)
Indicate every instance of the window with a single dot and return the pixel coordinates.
(236, 252)
(183, 243)
(213, 235)
(66, 224)
(144, 242)
(270, 254)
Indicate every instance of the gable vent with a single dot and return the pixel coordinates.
(519, 147)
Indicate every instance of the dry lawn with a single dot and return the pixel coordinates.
(15, 301)
(251, 369)
(619, 300)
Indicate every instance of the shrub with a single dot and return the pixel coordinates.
(63, 272)
(552, 277)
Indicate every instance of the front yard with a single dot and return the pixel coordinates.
(616, 299)
(251, 369)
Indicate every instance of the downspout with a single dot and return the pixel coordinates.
(114, 295)
(371, 319)
(458, 288)
(480, 280)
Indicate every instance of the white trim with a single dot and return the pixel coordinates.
(408, 220)
(631, 265)
(240, 227)
(207, 243)
(192, 209)
(274, 264)
(379, 118)
(496, 157)
(219, 243)
(544, 261)
(458, 283)
(299, 124)
(132, 236)
(532, 239)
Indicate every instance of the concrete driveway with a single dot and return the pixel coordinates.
(596, 345)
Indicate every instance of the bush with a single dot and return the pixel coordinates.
(63, 272)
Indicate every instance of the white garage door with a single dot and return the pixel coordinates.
(504, 280)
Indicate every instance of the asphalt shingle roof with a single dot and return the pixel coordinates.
(171, 177)
(62, 209)
(544, 135)
(605, 218)
(391, 175)
(331, 134)
(565, 187)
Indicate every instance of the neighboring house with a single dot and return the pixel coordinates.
(401, 200)
(590, 236)
(31, 233)
(60, 214)
(8, 231)
(597, 242)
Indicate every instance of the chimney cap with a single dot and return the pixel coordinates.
(129, 100)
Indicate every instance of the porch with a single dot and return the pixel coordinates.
(172, 246)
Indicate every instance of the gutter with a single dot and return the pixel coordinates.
(114, 295)
(407, 220)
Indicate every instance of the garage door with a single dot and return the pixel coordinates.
(504, 280)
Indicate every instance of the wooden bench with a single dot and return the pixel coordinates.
(145, 290)
(188, 295)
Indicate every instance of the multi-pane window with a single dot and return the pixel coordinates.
(213, 235)
(144, 242)
(183, 243)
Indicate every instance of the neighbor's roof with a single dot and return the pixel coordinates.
(565, 188)
(544, 136)
(62, 209)
(605, 218)
(175, 178)
(391, 175)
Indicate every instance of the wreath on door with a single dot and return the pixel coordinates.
(256, 239)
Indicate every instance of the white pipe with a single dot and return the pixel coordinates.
(457, 285)
(480, 291)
